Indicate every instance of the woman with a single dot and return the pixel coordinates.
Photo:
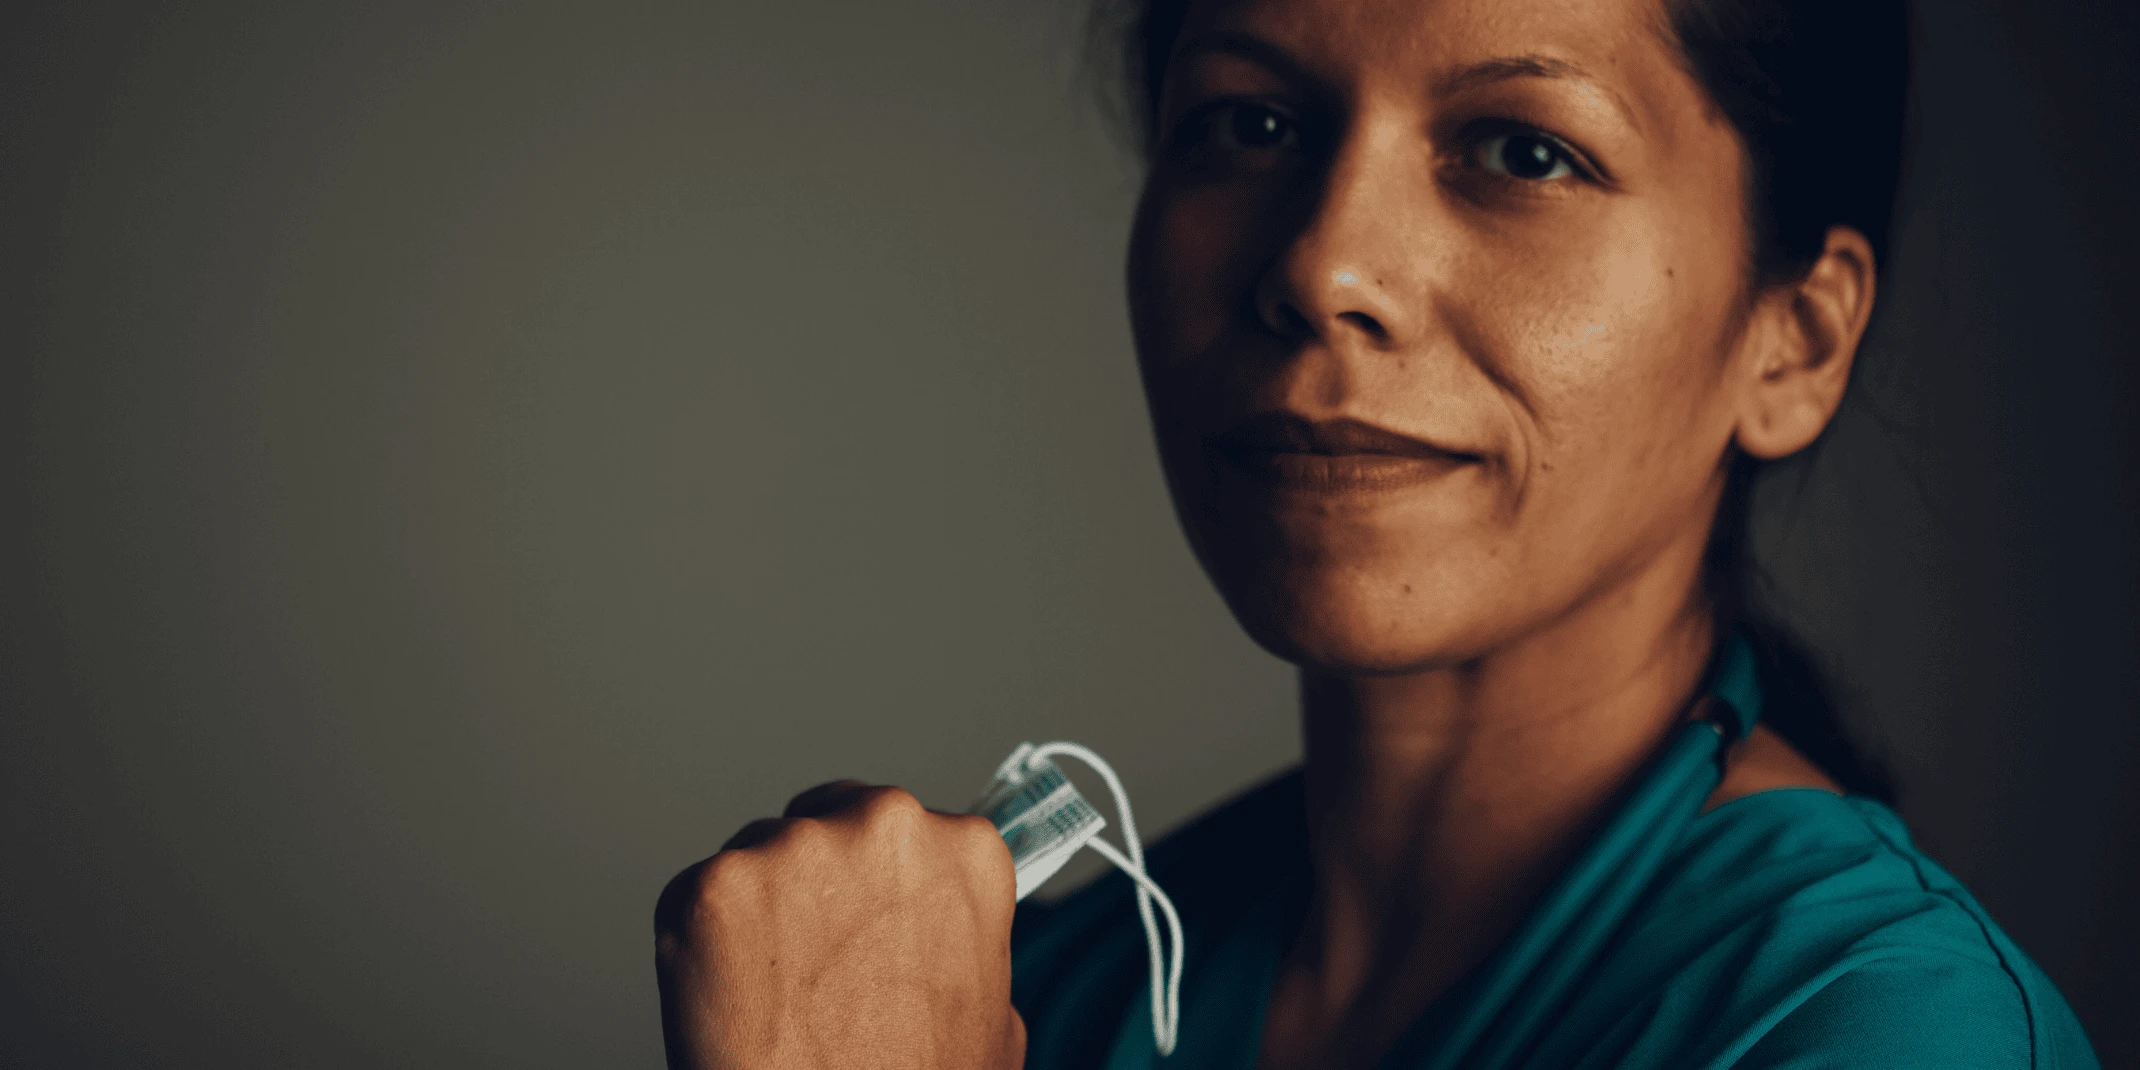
(1464, 325)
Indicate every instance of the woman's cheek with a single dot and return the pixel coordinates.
(1616, 430)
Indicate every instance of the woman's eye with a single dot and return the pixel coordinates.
(1252, 127)
(1529, 156)
(1238, 127)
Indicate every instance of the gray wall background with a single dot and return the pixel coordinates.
(460, 460)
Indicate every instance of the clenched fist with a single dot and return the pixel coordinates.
(858, 930)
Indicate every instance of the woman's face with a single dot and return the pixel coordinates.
(1434, 302)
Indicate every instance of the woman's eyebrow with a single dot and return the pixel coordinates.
(1499, 69)
(1244, 46)
(1504, 68)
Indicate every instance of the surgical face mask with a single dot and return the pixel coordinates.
(1045, 820)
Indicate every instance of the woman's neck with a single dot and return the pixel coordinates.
(1441, 806)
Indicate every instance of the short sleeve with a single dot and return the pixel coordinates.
(1903, 1012)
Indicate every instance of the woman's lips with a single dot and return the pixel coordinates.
(1289, 452)
(1318, 473)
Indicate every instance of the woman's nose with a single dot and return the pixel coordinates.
(1341, 278)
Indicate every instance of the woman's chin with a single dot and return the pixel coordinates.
(1343, 637)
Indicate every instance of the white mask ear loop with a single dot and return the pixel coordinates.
(1166, 993)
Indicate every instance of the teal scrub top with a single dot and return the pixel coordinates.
(1792, 928)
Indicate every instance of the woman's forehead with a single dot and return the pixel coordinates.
(1619, 48)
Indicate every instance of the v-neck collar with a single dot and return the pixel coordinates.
(1492, 1016)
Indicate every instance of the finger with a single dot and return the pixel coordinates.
(825, 799)
(755, 833)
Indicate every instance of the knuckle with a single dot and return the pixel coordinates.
(676, 907)
(801, 838)
(736, 887)
(694, 900)
(755, 833)
(888, 803)
(813, 801)
(981, 849)
(725, 876)
(977, 837)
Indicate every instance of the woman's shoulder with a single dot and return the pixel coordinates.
(1810, 929)
(1788, 927)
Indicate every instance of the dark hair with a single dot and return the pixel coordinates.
(1815, 89)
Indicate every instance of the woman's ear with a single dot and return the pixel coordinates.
(1797, 352)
